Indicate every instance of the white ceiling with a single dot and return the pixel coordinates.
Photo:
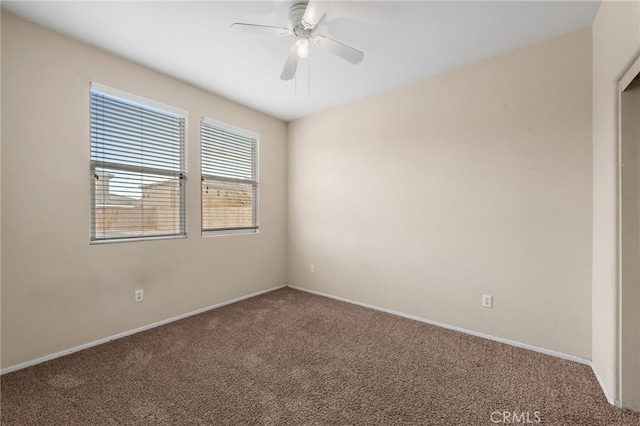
(403, 41)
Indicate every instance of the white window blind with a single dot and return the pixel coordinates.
(138, 177)
(229, 174)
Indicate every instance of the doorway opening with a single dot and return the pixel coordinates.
(629, 291)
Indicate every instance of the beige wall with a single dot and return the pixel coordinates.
(616, 43)
(57, 290)
(0, 191)
(630, 249)
(475, 181)
(419, 200)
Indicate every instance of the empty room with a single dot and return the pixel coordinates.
(292, 212)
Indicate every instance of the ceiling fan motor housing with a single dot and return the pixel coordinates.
(296, 12)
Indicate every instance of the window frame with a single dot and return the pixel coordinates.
(181, 175)
(255, 182)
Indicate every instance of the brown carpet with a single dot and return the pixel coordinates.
(292, 358)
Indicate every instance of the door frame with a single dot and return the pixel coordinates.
(623, 84)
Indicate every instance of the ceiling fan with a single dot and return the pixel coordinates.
(304, 18)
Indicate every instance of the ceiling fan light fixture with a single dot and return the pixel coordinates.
(302, 47)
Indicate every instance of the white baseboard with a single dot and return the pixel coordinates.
(607, 395)
(45, 358)
(130, 332)
(452, 327)
(568, 357)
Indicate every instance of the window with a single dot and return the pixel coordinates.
(229, 174)
(138, 178)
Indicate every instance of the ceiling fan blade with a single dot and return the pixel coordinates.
(347, 53)
(314, 12)
(260, 29)
(290, 66)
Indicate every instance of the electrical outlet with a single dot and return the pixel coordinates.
(139, 296)
(312, 269)
(487, 301)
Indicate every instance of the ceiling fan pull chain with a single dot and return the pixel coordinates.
(309, 78)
